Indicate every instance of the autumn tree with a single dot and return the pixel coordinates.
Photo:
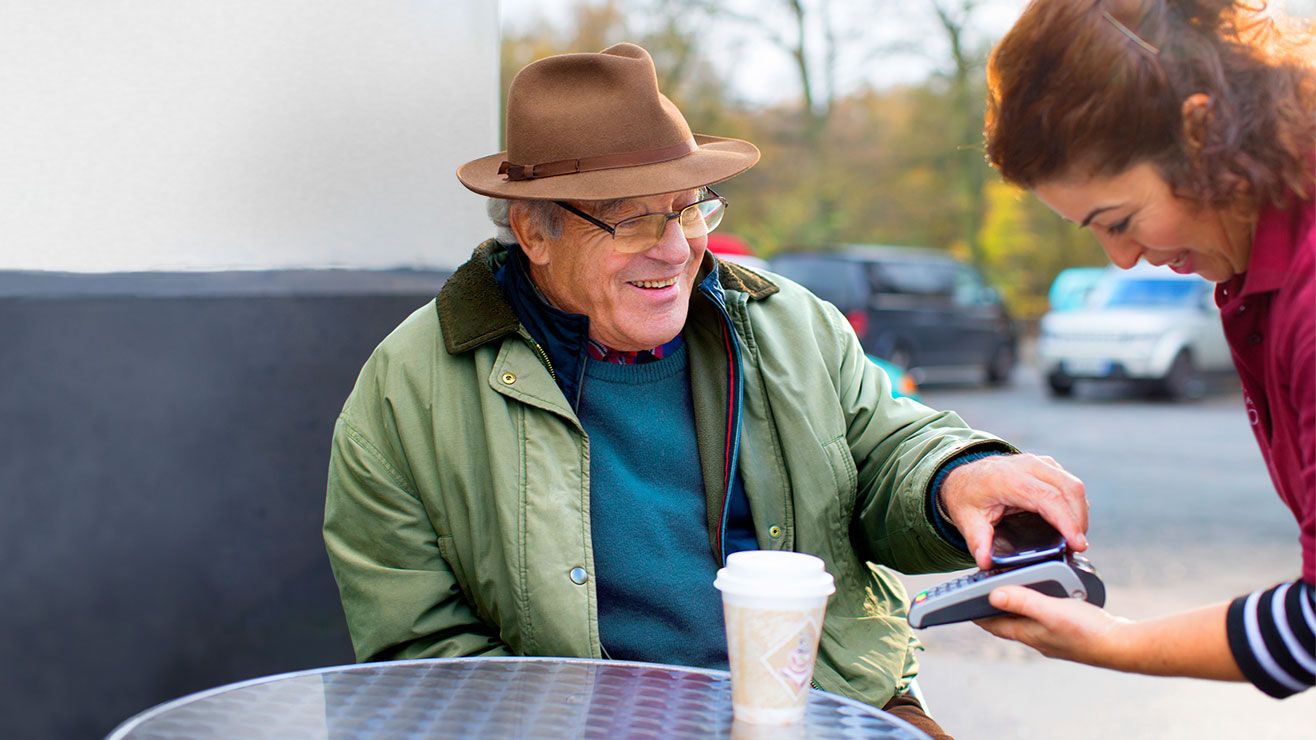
(1025, 246)
(844, 161)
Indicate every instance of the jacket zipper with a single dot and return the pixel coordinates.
(543, 357)
(733, 413)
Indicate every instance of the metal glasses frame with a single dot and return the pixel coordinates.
(669, 216)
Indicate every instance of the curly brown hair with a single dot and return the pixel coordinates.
(1093, 87)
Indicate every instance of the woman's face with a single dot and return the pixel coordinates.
(1135, 215)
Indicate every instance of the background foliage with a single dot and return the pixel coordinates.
(897, 165)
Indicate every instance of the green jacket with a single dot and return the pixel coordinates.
(458, 494)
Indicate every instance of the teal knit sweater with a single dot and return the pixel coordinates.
(653, 569)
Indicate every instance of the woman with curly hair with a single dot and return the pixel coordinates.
(1183, 133)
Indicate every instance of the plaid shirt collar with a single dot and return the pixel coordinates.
(603, 353)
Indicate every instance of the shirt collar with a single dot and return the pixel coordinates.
(1277, 236)
(564, 336)
(603, 353)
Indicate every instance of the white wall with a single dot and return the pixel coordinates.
(245, 134)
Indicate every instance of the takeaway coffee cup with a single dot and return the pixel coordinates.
(774, 603)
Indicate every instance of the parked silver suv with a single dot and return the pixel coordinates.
(1146, 324)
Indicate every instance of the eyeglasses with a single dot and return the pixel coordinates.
(642, 232)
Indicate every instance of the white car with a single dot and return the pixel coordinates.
(1146, 324)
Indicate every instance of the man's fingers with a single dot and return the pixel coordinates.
(1035, 494)
(1062, 518)
(997, 485)
(1070, 489)
(1050, 461)
(977, 533)
(1058, 497)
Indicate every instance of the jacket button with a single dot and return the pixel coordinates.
(509, 378)
(774, 531)
(1254, 338)
(579, 576)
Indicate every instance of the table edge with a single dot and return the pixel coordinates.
(130, 724)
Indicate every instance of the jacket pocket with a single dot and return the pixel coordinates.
(846, 477)
(448, 550)
(445, 548)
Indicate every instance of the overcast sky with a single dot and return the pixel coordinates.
(757, 69)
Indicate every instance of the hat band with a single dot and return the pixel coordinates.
(516, 172)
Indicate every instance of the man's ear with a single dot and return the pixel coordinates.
(1196, 111)
(533, 241)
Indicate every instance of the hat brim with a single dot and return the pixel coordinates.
(715, 160)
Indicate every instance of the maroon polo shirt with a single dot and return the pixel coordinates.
(1269, 315)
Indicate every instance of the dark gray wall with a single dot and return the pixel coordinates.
(163, 447)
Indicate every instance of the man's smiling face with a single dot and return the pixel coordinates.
(633, 301)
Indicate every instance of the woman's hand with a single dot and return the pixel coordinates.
(1186, 644)
(1071, 629)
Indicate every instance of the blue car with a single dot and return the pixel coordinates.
(902, 383)
(1070, 290)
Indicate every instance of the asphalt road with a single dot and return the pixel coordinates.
(1183, 515)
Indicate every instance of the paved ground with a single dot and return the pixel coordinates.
(1183, 515)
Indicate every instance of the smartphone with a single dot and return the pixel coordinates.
(1025, 538)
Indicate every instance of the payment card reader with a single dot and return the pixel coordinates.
(1026, 551)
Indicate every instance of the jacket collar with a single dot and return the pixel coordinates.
(473, 310)
(563, 336)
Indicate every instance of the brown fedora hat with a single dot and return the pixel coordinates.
(595, 127)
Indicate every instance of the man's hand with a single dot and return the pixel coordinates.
(1071, 629)
(976, 495)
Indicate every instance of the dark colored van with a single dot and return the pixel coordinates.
(919, 308)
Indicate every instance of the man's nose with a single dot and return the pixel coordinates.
(672, 246)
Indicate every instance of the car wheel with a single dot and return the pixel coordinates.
(1183, 381)
(1060, 385)
(1001, 365)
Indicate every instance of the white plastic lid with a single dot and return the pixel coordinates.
(775, 573)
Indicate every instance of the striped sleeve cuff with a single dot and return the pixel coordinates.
(1272, 634)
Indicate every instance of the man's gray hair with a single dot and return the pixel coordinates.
(544, 216)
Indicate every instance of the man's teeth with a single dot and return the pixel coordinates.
(653, 283)
(1177, 261)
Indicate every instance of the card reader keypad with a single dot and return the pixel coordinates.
(961, 582)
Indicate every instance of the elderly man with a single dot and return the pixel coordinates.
(556, 455)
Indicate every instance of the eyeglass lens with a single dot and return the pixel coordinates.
(697, 220)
